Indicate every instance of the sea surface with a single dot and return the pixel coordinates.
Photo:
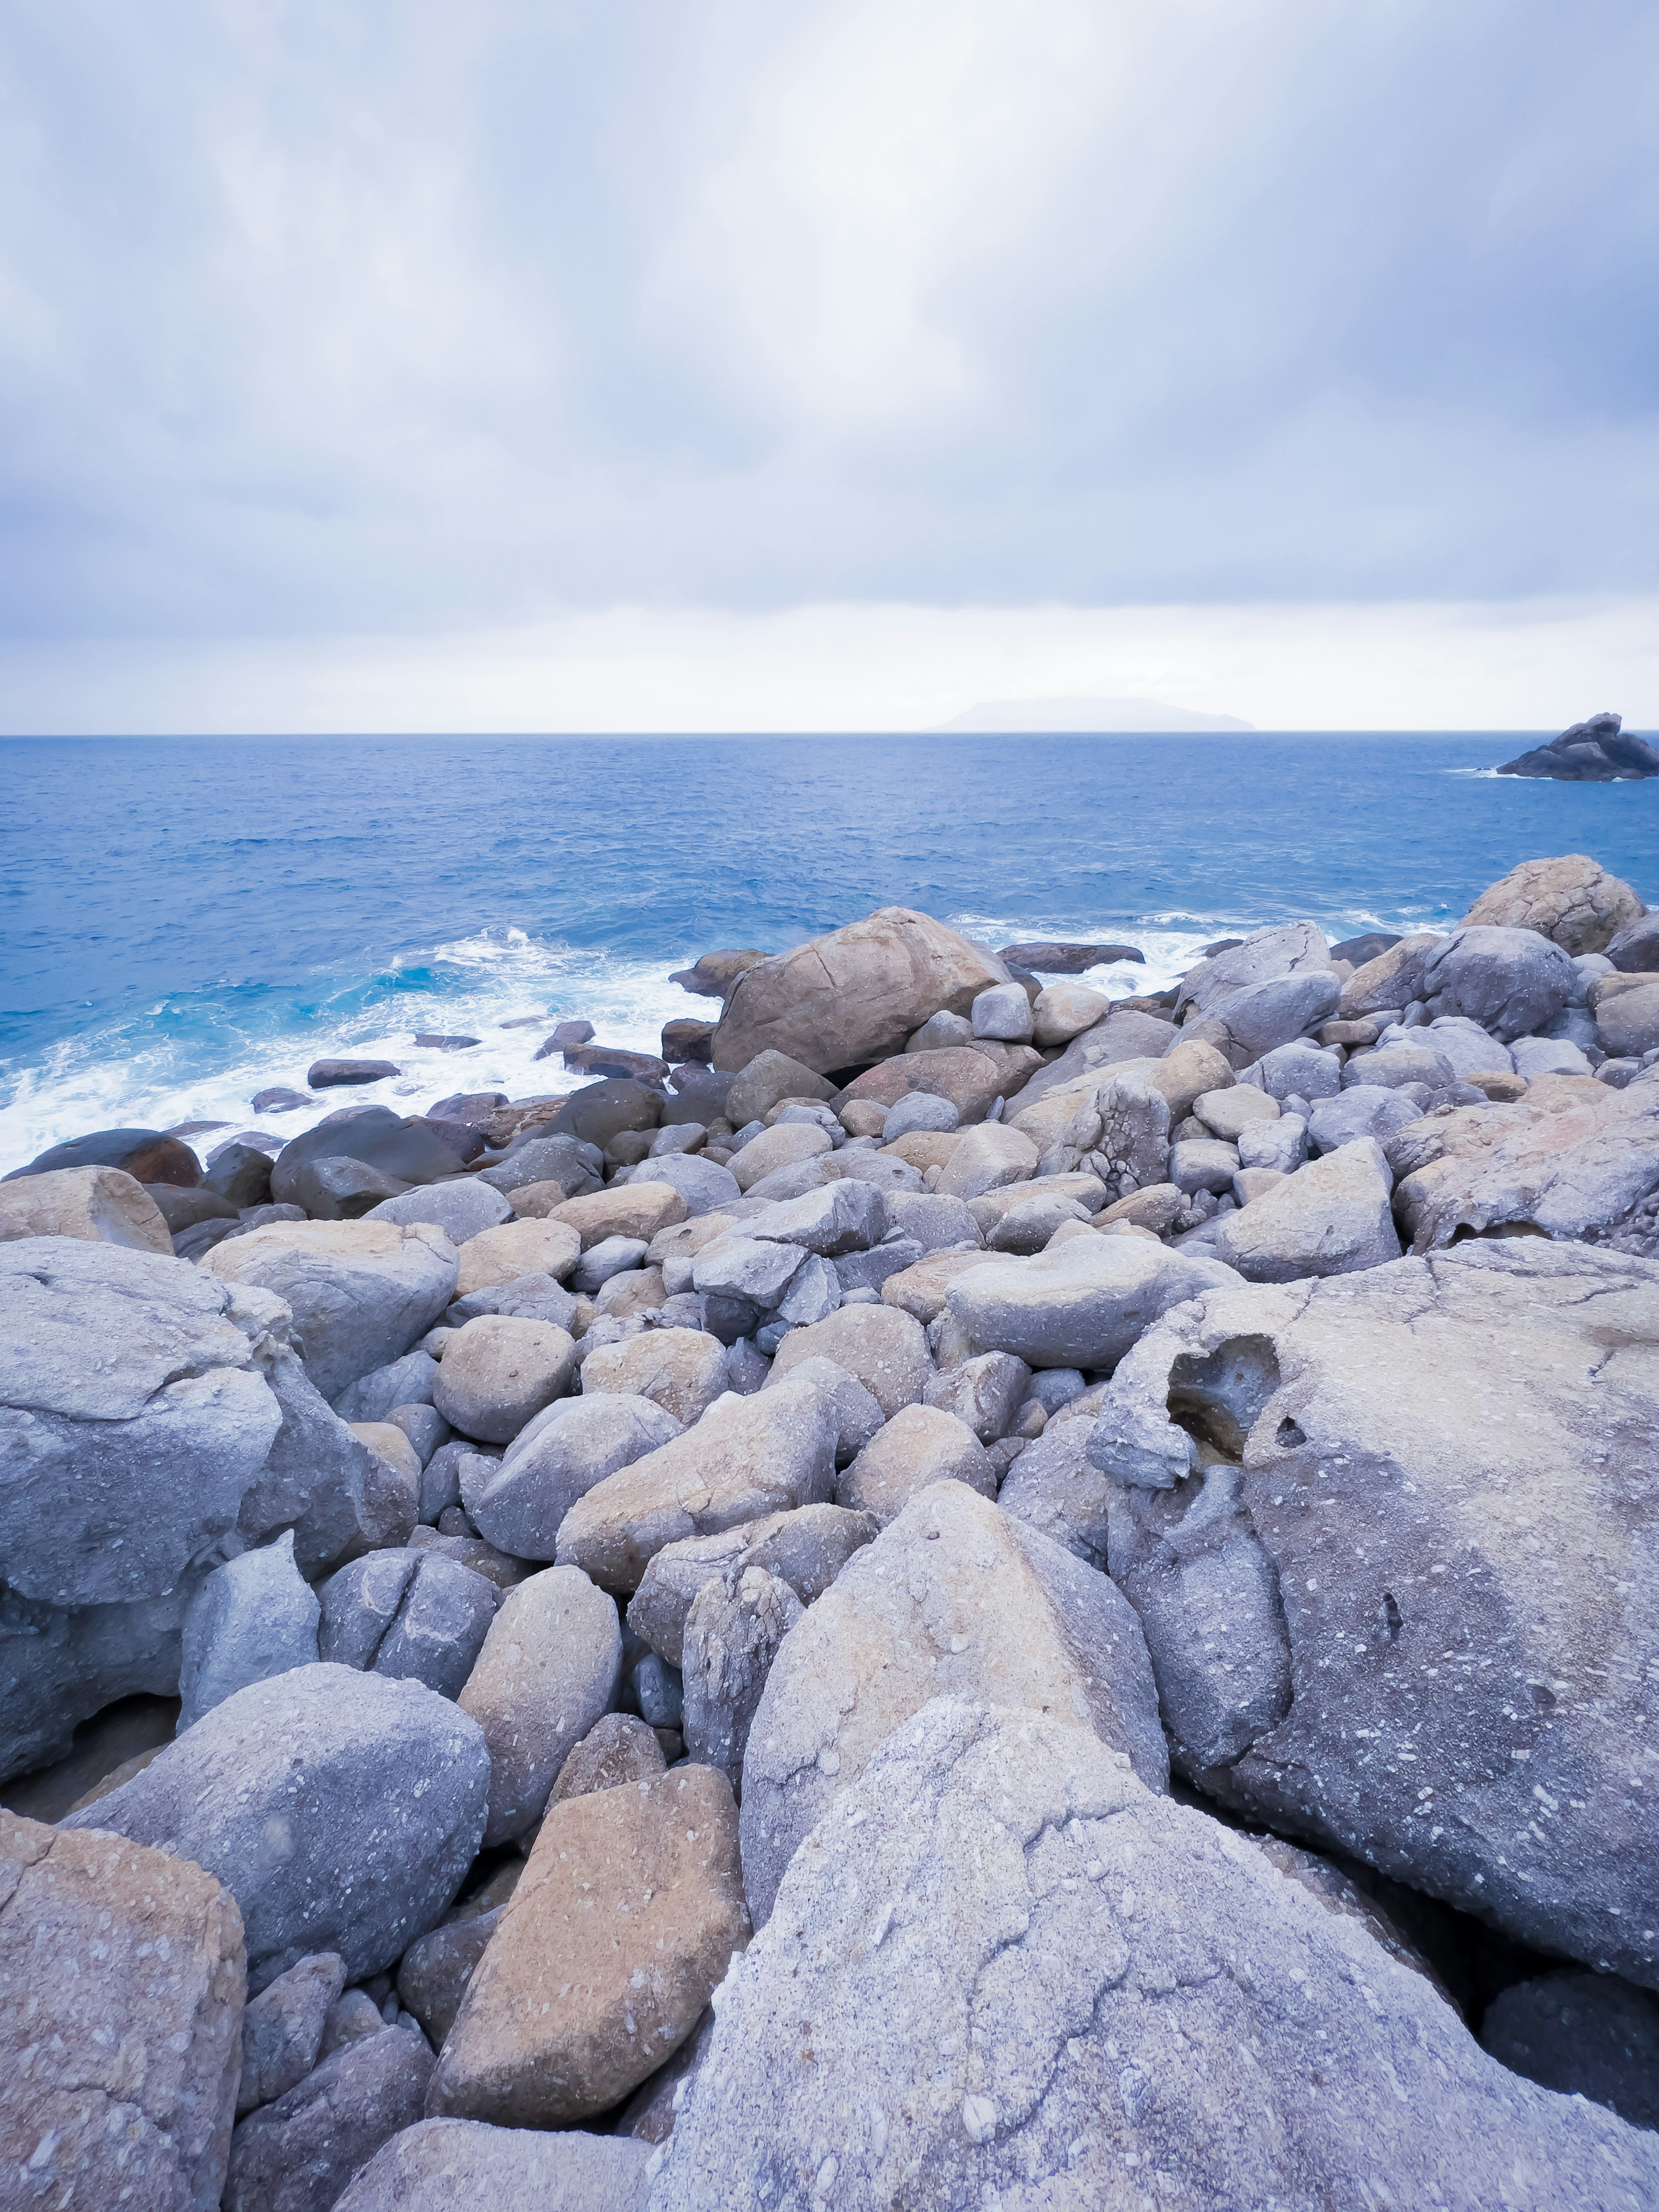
(184, 922)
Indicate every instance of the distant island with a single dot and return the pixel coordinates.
(1041, 716)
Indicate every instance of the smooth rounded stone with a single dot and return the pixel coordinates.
(374, 1790)
(324, 1073)
(99, 1935)
(539, 1158)
(1626, 1010)
(921, 1445)
(658, 1692)
(994, 1208)
(920, 1288)
(704, 1185)
(1364, 1109)
(953, 1599)
(806, 1549)
(1003, 1012)
(407, 1149)
(498, 1373)
(1586, 2035)
(924, 1148)
(881, 1347)
(1512, 982)
(785, 1145)
(1466, 1047)
(518, 1501)
(1227, 1113)
(1292, 1071)
(96, 1205)
(1011, 1993)
(441, 2164)
(986, 1158)
(600, 1111)
(253, 1618)
(940, 1032)
(614, 1256)
(683, 1371)
(1572, 901)
(282, 2029)
(148, 1155)
(768, 1078)
(618, 1748)
(985, 1393)
(1394, 1067)
(1081, 1304)
(677, 1138)
(424, 1427)
(971, 1076)
(1202, 1164)
(548, 1669)
(737, 1266)
(462, 1208)
(534, 1201)
(1123, 1036)
(299, 2153)
(1535, 1056)
(918, 1110)
(746, 1457)
(1433, 1412)
(622, 1924)
(360, 1292)
(516, 1249)
(1635, 950)
(1281, 1145)
(1333, 1217)
(933, 1221)
(1063, 1010)
(630, 1209)
(732, 1633)
(405, 1382)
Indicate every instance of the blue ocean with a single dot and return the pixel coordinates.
(188, 920)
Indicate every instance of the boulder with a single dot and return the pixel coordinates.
(462, 1208)
(806, 1549)
(1572, 901)
(1512, 982)
(713, 975)
(919, 1290)
(1054, 1488)
(1573, 1159)
(1124, 1035)
(1426, 1527)
(704, 1185)
(414, 1618)
(921, 1444)
(918, 1111)
(1063, 1010)
(1295, 1071)
(842, 1217)
(952, 1599)
(616, 1255)
(621, 1927)
(683, 1371)
(253, 1618)
(967, 1076)
(768, 1079)
(1046, 956)
(880, 1347)
(1114, 1122)
(617, 1748)
(376, 1395)
(600, 1111)
(1332, 1218)
(340, 1810)
(515, 1249)
(631, 1209)
(785, 1145)
(985, 1159)
(497, 1373)
(732, 1634)
(121, 1975)
(548, 1669)
(1267, 990)
(855, 995)
(1227, 1113)
(927, 1219)
(300, 2153)
(939, 1032)
(98, 1205)
(361, 1292)
(538, 1157)
(1626, 1009)
(1016, 1969)
(340, 1497)
(519, 1501)
(985, 1392)
(1081, 1304)
(1391, 979)
(282, 2029)
(1596, 752)
(1635, 950)
(441, 2164)
(411, 1150)
(1587, 2035)
(146, 1155)
(745, 1458)
(1002, 1012)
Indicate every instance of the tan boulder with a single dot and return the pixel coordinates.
(782, 1147)
(1572, 901)
(517, 1248)
(920, 1290)
(854, 995)
(681, 1370)
(970, 1076)
(1394, 979)
(100, 1205)
(921, 1444)
(123, 1977)
(620, 1930)
(628, 1209)
(499, 1371)
(880, 1345)
(634, 1290)
(534, 1201)
(985, 1159)
(922, 1149)
(1063, 1010)
(390, 1445)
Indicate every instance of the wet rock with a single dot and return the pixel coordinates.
(148, 1155)
(548, 1669)
(253, 1618)
(1049, 956)
(806, 1549)
(282, 2029)
(463, 1208)
(1572, 901)
(292, 1781)
(300, 2153)
(438, 2164)
(954, 1599)
(732, 1636)
(880, 1346)
(98, 1206)
(1587, 2035)
(410, 1151)
(96, 1934)
(520, 1501)
(1596, 752)
(1081, 1304)
(921, 1444)
(1332, 1218)
(497, 1373)
(517, 1248)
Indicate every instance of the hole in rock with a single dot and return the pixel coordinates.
(1542, 1696)
(1289, 1434)
(1391, 1618)
(1219, 1398)
(1465, 1230)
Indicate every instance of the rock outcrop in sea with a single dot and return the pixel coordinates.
(954, 1593)
(1600, 751)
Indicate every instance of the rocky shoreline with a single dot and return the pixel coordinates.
(953, 1592)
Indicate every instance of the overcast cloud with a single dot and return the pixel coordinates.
(328, 319)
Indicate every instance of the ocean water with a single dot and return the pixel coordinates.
(188, 920)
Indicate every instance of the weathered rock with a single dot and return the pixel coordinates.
(1227, 1113)
(1081, 1304)
(940, 1033)
(472, 1552)
(442, 2163)
(517, 1248)
(970, 1077)
(575, 1165)
(785, 1146)
(462, 1208)
(1571, 901)
(1296, 1071)
(282, 2029)
(732, 1636)
(1363, 1109)
(601, 1111)
(251, 1618)
(1445, 1466)
(1588, 2035)
(98, 1205)
(497, 1373)
(548, 1669)
(985, 1159)
(921, 1444)
(1626, 1009)
(340, 1810)
(121, 1990)
(435, 1631)
(1063, 1010)
(1332, 1218)
(807, 1549)
(1115, 1123)
(608, 1951)
(854, 995)
(1391, 979)
(616, 1255)
(1635, 950)
(1047, 956)
(519, 1501)
(300, 2153)
(617, 1748)
(953, 1600)
(631, 1209)
(842, 1217)
(767, 1077)
(409, 1151)
(1270, 988)
(746, 1457)
(1574, 1159)
(920, 1288)
(1054, 1488)
(1198, 1164)
(1512, 982)
(704, 1185)
(1016, 1969)
(883, 1348)
(985, 1393)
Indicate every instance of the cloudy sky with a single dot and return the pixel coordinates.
(699, 363)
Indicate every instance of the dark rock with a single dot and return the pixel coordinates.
(602, 1110)
(1635, 950)
(102, 1744)
(1222, 945)
(1357, 950)
(715, 973)
(464, 1139)
(699, 1094)
(340, 1189)
(613, 1061)
(323, 1073)
(241, 1173)
(523, 1021)
(475, 1107)
(444, 1044)
(414, 1616)
(687, 1040)
(433, 1978)
(1588, 2035)
(1049, 957)
(202, 1236)
(411, 1149)
(148, 1155)
(569, 1034)
(282, 2029)
(279, 1100)
(183, 1209)
(300, 2153)
(563, 1157)
(1599, 751)
(619, 1748)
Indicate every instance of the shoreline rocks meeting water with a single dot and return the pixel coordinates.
(955, 1592)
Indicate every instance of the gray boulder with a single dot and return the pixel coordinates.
(806, 1549)
(705, 1185)
(1512, 982)
(416, 1616)
(1054, 1488)
(985, 1393)
(1332, 1218)
(921, 1444)
(1588, 2035)
(405, 1382)
(934, 1223)
(1081, 1304)
(953, 1600)
(883, 1349)
(526, 1297)
(1021, 1969)
(576, 1166)
(461, 1209)
(1454, 1558)
(732, 1634)
(253, 1618)
(340, 1809)
(299, 2153)
(845, 1216)
(1364, 1109)
(519, 1501)
(1297, 1071)
(441, 2164)
(917, 1110)
(1267, 990)
(1120, 1036)
(282, 2029)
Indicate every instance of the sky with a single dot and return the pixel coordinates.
(656, 365)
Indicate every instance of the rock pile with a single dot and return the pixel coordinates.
(1600, 751)
(682, 1604)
